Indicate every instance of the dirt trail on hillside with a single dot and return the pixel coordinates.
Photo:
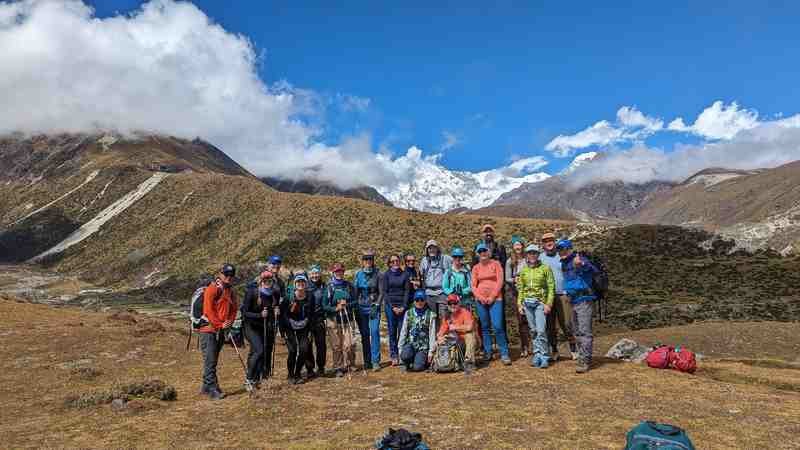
(52, 353)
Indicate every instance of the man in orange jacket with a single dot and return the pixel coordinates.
(459, 321)
(219, 307)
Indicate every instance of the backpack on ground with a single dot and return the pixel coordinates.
(448, 357)
(683, 360)
(651, 435)
(659, 357)
(401, 439)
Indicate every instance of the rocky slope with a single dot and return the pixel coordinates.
(757, 208)
(557, 197)
(320, 188)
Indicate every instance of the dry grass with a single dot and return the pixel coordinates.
(728, 404)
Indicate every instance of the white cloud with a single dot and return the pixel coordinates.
(451, 140)
(353, 103)
(767, 144)
(719, 121)
(631, 125)
(166, 68)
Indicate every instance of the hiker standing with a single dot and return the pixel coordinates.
(316, 290)
(339, 303)
(410, 267)
(561, 315)
(296, 312)
(497, 252)
(487, 286)
(418, 335)
(514, 264)
(536, 287)
(368, 313)
(395, 286)
(460, 323)
(578, 274)
(259, 309)
(219, 308)
(458, 280)
(432, 269)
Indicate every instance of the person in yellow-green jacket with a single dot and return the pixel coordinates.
(537, 289)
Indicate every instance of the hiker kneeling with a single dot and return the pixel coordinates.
(458, 328)
(418, 335)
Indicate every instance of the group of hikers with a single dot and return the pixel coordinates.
(441, 302)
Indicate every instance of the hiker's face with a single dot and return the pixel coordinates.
(484, 255)
(549, 245)
(458, 261)
(274, 267)
(564, 252)
(420, 303)
(517, 247)
(488, 235)
(532, 257)
(227, 279)
(338, 274)
(394, 262)
(300, 286)
(410, 261)
(315, 276)
(433, 250)
(453, 308)
(368, 261)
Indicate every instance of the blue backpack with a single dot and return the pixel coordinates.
(651, 435)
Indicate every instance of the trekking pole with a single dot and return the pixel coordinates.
(274, 338)
(264, 350)
(342, 329)
(247, 385)
(189, 342)
(352, 339)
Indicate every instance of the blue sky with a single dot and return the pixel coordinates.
(505, 79)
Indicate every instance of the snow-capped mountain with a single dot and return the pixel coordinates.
(579, 161)
(434, 188)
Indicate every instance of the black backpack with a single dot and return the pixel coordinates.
(401, 439)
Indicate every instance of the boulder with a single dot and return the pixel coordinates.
(628, 350)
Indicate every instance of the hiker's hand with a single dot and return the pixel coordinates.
(521, 309)
(547, 309)
(397, 310)
(430, 359)
(264, 313)
(277, 311)
(339, 306)
(227, 324)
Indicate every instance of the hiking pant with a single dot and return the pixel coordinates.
(582, 321)
(492, 319)
(468, 341)
(365, 330)
(297, 344)
(394, 323)
(560, 316)
(375, 336)
(438, 304)
(317, 338)
(534, 310)
(260, 351)
(210, 344)
(414, 360)
(522, 320)
(342, 344)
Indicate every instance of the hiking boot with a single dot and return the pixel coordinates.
(216, 394)
(339, 373)
(543, 363)
(395, 362)
(487, 359)
(468, 369)
(536, 360)
(506, 360)
(376, 367)
(582, 367)
(404, 368)
(523, 353)
(311, 374)
(554, 355)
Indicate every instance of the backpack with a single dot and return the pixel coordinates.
(683, 360)
(401, 439)
(659, 357)
(651, 435)
(196, 317)
(448, 357)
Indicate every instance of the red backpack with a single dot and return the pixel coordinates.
(659, 357)
(683, 360)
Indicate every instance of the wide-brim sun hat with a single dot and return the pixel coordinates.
(431, 243)
(548, 236)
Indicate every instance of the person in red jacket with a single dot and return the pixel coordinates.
(487, 287)
(219, 307)
(459, 321)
